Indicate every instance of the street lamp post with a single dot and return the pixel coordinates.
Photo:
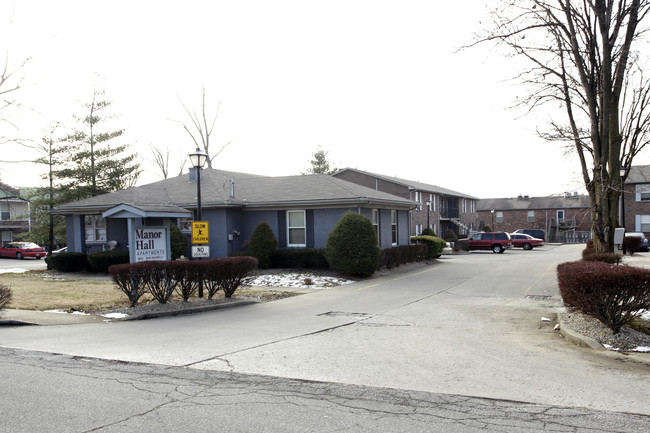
(198, 159)
(492, 212)
(428, 203)
(623, 172)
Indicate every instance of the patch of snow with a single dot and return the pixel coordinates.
(545, 319)
(80, 313)
(296, 280)
(115, 315)
(13, 271)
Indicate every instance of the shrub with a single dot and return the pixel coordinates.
(5, 295)
(127, 278)
(226, 273)
(434, 244)
(263, 244)
(487, 229)
(615, 295)
(157, 278)
(177, 242)
(68, 262)
(450, 236)
(461, 245)
(428, 231)
(299, 258)
(352, 246)
(186, 276)
(631, 244)
(592, 255)
(393, 257)
(100, 262)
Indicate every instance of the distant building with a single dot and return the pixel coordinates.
(439, 208)
(14, 213)
(636, 200)
(565, 218)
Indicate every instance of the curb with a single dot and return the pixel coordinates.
(579, 339)
(171, 313)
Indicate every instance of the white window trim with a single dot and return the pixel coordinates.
(499, 217)
(304, 228)
(393, 222)
(94, 229)
(641, 190)
(375, 224)
(530, 217)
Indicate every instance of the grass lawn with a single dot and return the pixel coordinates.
(44, 290)
(47, 290)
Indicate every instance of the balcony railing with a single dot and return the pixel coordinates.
(14, 224)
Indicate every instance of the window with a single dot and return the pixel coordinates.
(472, 206)
(393, 226)
(560, 216)
(463, 205)
(6, 237)
(375, 222)
(531, 216)
(643, 192)
(418, 229)
(95, 227)
(432, 204)
(499, 216)
(296, 228)
(5, 214)
(185, 224)
(418, 198)
(643, 223)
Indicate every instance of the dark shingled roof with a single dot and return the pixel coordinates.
(250, 190)
(414, 184)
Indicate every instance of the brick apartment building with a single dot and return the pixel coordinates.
(438, 208)
(635, 202)
(565, 218)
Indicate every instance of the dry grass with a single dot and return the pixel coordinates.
(43, 290)
(46, 290)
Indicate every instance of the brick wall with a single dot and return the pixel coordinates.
(634, 208)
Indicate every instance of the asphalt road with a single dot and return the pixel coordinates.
(28, 263)
(47, 392)
(468, 328)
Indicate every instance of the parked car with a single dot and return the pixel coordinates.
(536, 233)
(498, 242)
(59, 251)
(644, 241)
(20, 250)
(527, 242)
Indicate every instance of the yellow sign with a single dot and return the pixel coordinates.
(200, 232)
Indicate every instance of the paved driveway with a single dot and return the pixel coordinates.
(468, 325)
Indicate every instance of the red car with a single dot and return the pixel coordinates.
(20, 250)
(495, 241)
(527, 242)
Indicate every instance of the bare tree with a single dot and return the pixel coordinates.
(580, 56)
(11, 81)
(201, 129)
(161, 159)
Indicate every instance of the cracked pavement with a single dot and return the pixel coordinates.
(465, 331)
(110, 396)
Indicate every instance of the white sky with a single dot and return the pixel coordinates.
(376, 84)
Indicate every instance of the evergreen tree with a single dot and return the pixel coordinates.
(320, 164)
(95, 165)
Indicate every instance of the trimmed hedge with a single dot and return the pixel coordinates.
(5, 295)
(592, 255)
(631, 244)
(393, 257)
(434, 244)
(68, 262)
(100, 262)
(299, 258)
(128, 279)
(613, 294)
(162, 278)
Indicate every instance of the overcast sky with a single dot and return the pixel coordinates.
(376, 84)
